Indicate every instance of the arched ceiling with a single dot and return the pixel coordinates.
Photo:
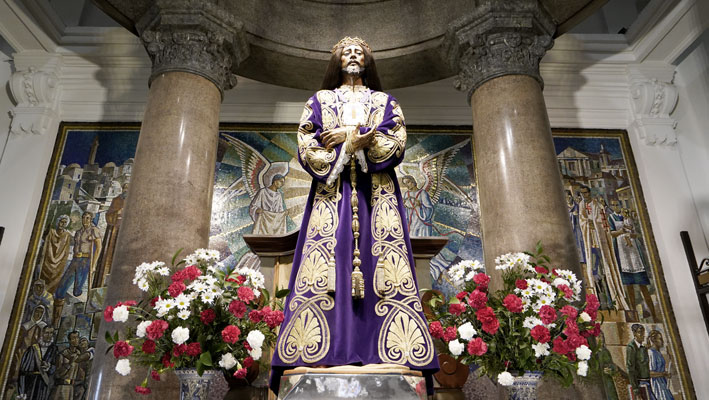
(290, 40)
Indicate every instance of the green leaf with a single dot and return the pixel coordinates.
(539, 248)
(115, 337)
(177, 253)
(200, 368)
(282, 293)
(109, 339)
(206, 358)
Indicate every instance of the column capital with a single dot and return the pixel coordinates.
(36, 88)
(194, 36)
(498, 38)
(653, 97)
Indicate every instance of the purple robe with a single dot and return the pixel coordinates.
(322, 328)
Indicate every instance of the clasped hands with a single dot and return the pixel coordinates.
(357, 141)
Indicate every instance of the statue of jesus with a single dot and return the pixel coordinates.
(354, 298)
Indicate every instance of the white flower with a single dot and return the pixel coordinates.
(140, 330)
(182, 301)
(583, 352)
(227, 361)
(560, 281)
(180, 335)
(123, 366)
(467, 331)
(207, 297)
(585, 317)
(531, 322)
(183, 314)
(143, 284)
(541, 349)
(255, 339)
(214, 290)
(469, 276)
(164, 306)
(120, 314)
(505, 379)
(455, 347)
(582, 368)
(255, 353)
(257, 293)
(164, 271)
(191, 259)
(198, 286)
(456, 273)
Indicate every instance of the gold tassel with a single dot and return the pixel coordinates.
(331, 274)
(357, 277)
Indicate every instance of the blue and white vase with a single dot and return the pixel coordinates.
(193, 386)
(525, 386)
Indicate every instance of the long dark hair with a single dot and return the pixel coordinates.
(333, 74)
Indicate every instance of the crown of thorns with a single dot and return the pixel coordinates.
(346, 41)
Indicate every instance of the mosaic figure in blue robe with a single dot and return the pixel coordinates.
(659, 374)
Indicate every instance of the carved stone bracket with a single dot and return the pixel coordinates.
(653, 97)
(498, 38)
(194, 36)
(35, 86)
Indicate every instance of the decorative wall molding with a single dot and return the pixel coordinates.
(653, 97)
(497, 39)
(36, 89)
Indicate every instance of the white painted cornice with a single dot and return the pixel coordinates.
(21, 30)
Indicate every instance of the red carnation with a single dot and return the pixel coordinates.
(435, 329)
(122, 349)
(592, 314)
(568, 293)
(521, 284)
(596, 329)
(571, 328)
(237, 308)
(456, 308)
(247, 346)
(461, 296)
(179, 350)
(592, 303)
(207, 316)
(575, 341)
(148, 347)
(142, 390)
(560, 346)
(166, 361)
(192, 272)
(127, 303)
(230, 334)
(481, 280)
(156, 329)
(554, 272)
(547, 314)
(485, 315)
(450, 333)
(194, 349)
(155, 375)
(477, 299)
(477, 347)
(179, 276)
(176, 288)
(248, 362)
(240, 374)
(513, 303)
(255, 316)
(245, 294)
(541, 270)
(569, 311)
(491, 326)
(541, 334)
(274, 318)
(108, 314)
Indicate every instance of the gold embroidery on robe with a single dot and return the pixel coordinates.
(388, 238)
(391, 142)
(403, 337)
(307, 335)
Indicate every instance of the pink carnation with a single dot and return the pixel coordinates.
(122, 349)
(547, 314)
(456, 308)
(435, 329)
(192, 272)
(237, 308)
(230, 334)
(477, 299)
(541, 334)
(246, 294)
(513, 303)
(569, 311)
(156, 329)
(450, 333)
(477, 347)
(176, 288)
(481, 280)
(274, 318)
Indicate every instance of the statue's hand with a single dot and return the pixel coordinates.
(333, 137)
(359, 142)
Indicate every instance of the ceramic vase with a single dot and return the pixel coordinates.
(193, 386)
(525, 386)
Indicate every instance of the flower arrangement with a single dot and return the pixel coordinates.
(201, 316)
(532, 324)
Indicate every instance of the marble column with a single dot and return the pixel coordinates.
(497, 49)
(194, 54)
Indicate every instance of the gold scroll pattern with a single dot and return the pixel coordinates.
(388, 238)
(318, 158)
(403, 338)
(307, 334)
(392, 142)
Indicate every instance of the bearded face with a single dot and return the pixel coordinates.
(352, 60)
